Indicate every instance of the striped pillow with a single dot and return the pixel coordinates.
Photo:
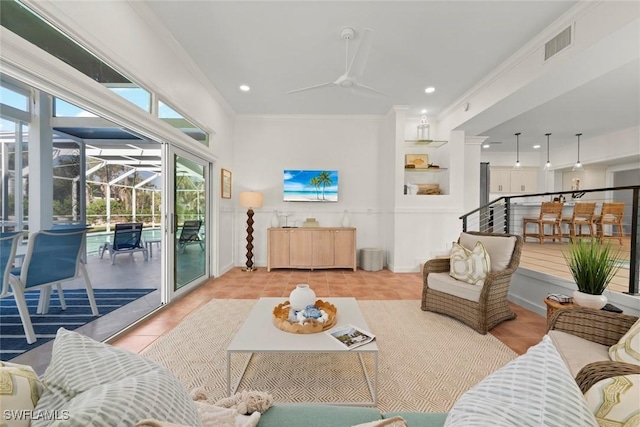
(100, 385)
(535, 389)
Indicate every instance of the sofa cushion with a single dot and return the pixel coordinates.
(101, 385)
(444, 283)
(535, 389)
(317, 416)
(470, 266)
(628, 348)
(419, 419)
(615, 401)
(499, 248)
(577, 352)
(396, 421)
(20, 390)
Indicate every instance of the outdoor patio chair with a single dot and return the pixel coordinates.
(8, 245)
(481, 307)
(48, 248)
(127, 239)
(190, 234)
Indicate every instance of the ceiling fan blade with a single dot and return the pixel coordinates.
(360, 89)
(360, 58)
(312, 87)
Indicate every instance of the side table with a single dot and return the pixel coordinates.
(552, 306)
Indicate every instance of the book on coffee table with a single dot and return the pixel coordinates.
(350, 336)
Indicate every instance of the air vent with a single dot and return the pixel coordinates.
(557, 43)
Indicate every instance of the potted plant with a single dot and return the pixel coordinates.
(592, 264)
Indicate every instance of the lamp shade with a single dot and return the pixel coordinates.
(251, 199)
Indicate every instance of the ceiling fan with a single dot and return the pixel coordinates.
(353, 72)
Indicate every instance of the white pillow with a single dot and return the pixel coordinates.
(535, 389)
(469, 266)
(500, 248)
(20, 390)
(628, 348)
(616, 401)
(100, 385)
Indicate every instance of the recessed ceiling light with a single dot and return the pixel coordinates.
(536, 146)
(486, 146)
(423, 112)
(430, 89)
(245, 88)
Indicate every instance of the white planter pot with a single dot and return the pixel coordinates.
(588, 300)
(301, 297)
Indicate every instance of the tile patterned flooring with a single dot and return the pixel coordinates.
(519, 334)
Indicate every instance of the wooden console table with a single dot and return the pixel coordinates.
(311, 248)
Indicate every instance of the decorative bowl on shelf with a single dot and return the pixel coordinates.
(281, 314)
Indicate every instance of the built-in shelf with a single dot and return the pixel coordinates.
(429, 170)
(425, 143)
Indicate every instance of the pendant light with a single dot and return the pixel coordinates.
(547, 166)
(517, 165)
(578, 166)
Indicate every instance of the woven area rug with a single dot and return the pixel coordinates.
(426, 361)
(13, 342)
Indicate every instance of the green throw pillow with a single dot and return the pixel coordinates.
(469, 266)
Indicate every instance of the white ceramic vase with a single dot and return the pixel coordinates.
(301, 297)
(588, 300)
(345, 219)
(275, 220)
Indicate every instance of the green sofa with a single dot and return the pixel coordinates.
(340, 416)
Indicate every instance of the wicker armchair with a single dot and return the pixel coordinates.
(491, 307)
(597, 326)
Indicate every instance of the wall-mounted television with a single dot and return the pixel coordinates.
(310, 185)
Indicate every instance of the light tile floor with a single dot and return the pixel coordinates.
(519, 334)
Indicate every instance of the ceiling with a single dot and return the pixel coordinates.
(275, 47)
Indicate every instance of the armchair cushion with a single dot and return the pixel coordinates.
(577, 352)
(470, 266)
(628, 348)
(499, 248)
(443, 282)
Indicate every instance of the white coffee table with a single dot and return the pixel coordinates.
(259, 335)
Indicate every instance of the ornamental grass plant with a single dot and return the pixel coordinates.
(593, 265)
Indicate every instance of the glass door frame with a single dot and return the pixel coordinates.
(169, 291)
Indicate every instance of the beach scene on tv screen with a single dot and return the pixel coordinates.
(310, 185)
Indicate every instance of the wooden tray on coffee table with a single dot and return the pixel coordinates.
(281, 319)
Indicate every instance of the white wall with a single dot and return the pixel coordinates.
(267, 145)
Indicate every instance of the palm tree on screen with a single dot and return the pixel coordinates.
(316, 184)
(324, 179)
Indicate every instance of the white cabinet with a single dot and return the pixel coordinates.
(505, 180)
(500, 181)
(524, 181)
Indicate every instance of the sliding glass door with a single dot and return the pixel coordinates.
(189, 225)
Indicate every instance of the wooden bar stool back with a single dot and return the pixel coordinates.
(551, 215)
(583, 216)
(610, 214)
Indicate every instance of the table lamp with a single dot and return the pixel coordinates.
(250, 200)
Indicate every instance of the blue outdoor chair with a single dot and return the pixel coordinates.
(8, 245)
(53, 257)
(127, 239)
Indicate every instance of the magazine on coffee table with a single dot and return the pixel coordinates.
(350, 336)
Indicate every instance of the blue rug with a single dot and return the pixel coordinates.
(12, 339)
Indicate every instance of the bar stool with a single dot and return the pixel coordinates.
(583, 215)
(610, 214)
(550, 214)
